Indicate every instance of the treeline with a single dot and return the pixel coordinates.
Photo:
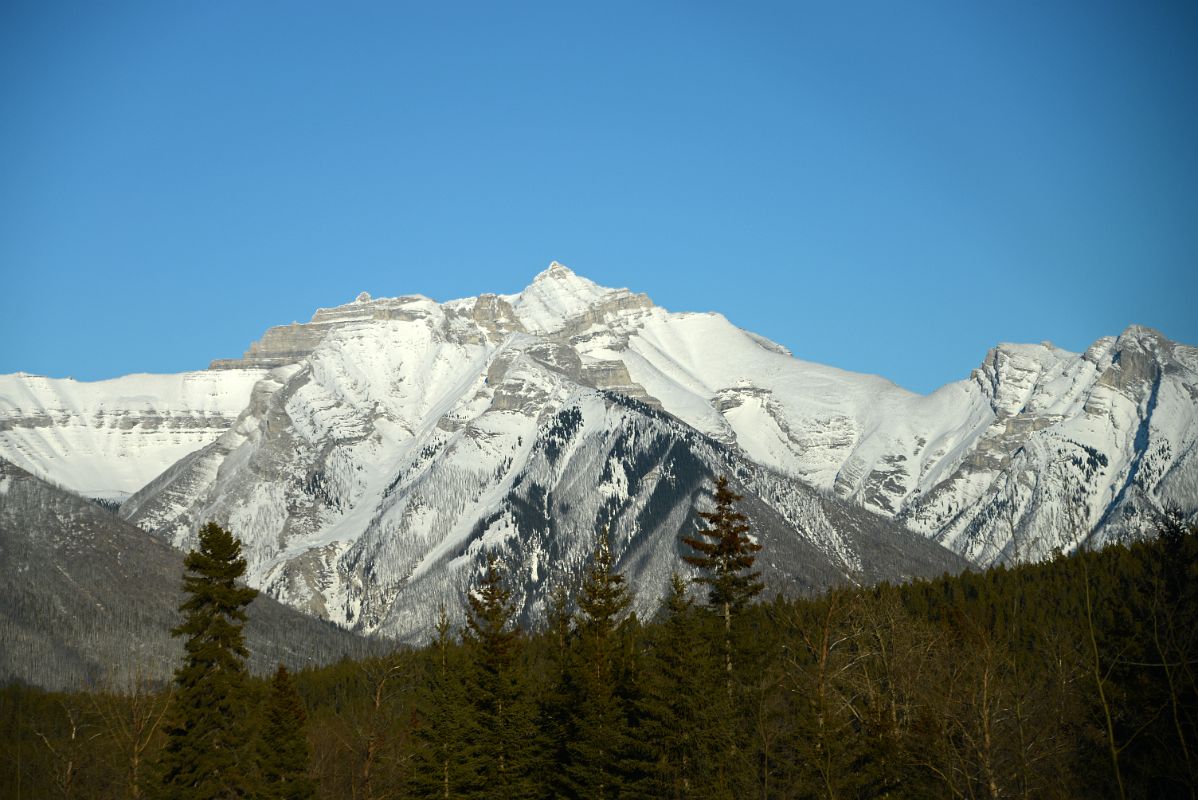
(1071, 678)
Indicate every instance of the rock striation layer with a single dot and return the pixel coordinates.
(109, 438)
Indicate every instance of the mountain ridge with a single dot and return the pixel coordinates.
(386, 435)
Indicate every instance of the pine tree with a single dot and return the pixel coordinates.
(600, 737)
(687, 725)
(499, 760)
(441, 721)
(725, 554)
(281, 744)
(205, 756)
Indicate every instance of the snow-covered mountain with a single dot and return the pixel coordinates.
(109, 438)
(369, 475)
(383, 447)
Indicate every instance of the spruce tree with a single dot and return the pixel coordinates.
(205, 756)
(688, 726)
(282, 745)
(499, 759)
(600, 740)
(725, 555)
(557, 700)
(441, 720)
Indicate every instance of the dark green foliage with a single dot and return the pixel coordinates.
(282, 746)
(205, 754)
(601, 760)
(602, 602)
(1071, 678)
(499, 756)
(725, 553)
(556, 701)
(689, 725)
(442, 720)
(361, 718)
(725, 556)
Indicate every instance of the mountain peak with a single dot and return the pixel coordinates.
(1142, 335)
(556, 295)
(556, 272)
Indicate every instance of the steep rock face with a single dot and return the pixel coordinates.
(109, 438)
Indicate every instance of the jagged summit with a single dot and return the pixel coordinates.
(558, 296)
(555, 268)
(558, 300)
(1143, 331)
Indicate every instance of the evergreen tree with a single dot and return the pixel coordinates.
(282, 745)
(441, 721)
(600, 742)
(557, 701)
(499, 759)
(204, 757)
(687, 725)
(725, 554)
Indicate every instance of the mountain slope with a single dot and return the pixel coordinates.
(1087, 447)
(988, 465)
(87, 598)
(109, 438)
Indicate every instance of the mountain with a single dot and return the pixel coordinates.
(109, 438)
(88, 598)
(386, 445)
(1076, 448)
(369, 479)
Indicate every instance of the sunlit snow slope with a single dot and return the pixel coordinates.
(110, 438)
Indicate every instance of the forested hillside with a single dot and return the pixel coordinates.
(87, 599)
(1071, 678)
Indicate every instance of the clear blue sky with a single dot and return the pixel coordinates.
(885, 187)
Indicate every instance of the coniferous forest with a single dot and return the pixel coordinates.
(1077, 677)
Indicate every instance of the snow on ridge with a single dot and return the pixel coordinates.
(201, 388)
(110, 437)
(558, 295)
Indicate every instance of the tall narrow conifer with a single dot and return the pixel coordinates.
(282, 745)
(498, 761)
(688, 726)
(725, 554)
(442, 720)
(600, 740)
(205, 756)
